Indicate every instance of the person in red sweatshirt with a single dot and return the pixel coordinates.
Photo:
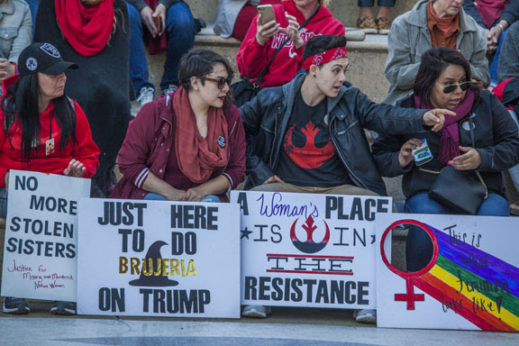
(42, 130)
(262, 41)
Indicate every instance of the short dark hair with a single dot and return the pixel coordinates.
(198, 63)
(434, 62)
(322, 43)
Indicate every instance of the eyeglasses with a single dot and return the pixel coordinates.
(448, 88)
(220, 82)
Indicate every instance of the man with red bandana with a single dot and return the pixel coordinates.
(307, 136)
(311, 130)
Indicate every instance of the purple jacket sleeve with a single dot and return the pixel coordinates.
(136, 147)
(235, 170)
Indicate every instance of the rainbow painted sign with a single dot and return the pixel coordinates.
(471, 281)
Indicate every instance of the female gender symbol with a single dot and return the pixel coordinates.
(410, 297)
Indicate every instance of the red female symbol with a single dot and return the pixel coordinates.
(410, 297)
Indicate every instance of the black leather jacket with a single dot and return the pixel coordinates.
(266, 117)
(495, 136)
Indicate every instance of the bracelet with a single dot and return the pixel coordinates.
(501, 26)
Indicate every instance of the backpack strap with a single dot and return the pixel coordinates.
(72, 105)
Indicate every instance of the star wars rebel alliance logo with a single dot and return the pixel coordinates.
(309, 245)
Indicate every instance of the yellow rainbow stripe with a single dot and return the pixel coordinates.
(449, 279)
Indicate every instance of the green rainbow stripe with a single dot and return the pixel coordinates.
(500, 320)
(509, 302)
(437, 288)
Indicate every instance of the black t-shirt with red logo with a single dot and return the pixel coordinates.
(308, 157)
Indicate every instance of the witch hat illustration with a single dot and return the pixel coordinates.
(147, 278)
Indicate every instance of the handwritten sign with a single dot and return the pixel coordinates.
(471, 281)
(41, 235)
(150, 258)
(308, 249)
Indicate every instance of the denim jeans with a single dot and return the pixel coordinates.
(371, 3)
(3, 202)
(495, 62)
(180, 33)
(33, 5)
(152, 196)
(418, 246)
(514, 171)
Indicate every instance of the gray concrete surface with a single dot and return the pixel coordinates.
(285, 327)
(366, 70)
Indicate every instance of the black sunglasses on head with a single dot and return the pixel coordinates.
(220, 81)
(448, 88)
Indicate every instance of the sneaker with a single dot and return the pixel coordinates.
(200, 24)
(63, 308)
(146, 95)
(383, 25)
(135, 107)
(367, 24)
(256, 311)
(171, 89)
(365, 316)
(14, 305)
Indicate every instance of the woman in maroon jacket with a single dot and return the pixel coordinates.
(190, 144)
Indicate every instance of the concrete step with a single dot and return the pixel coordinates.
(367, 57)
(366, 71)
(344, 10)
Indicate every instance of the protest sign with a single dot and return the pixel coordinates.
(470, 282)
(308, 250)
(150, 258)
(41, 235)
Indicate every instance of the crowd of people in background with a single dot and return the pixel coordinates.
(452, 67)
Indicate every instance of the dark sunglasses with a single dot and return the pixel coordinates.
(220, 82)
(447, 89)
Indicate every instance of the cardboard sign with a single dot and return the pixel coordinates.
(471, 281)
(150, 258)
(40, 248)
(308, 249)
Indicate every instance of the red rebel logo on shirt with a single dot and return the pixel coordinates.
(309, 156)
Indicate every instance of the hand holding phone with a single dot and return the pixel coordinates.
(266, 24)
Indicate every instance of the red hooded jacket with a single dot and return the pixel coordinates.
(252, 57)
(11, 155)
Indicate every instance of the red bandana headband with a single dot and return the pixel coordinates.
(324, 57)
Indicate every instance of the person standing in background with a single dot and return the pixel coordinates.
(15, 33)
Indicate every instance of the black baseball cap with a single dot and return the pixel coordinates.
(42, 57)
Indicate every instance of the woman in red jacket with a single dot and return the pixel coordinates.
(42, 130)
(262, 41)
(190, 144)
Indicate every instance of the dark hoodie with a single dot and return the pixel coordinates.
(101, 85)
